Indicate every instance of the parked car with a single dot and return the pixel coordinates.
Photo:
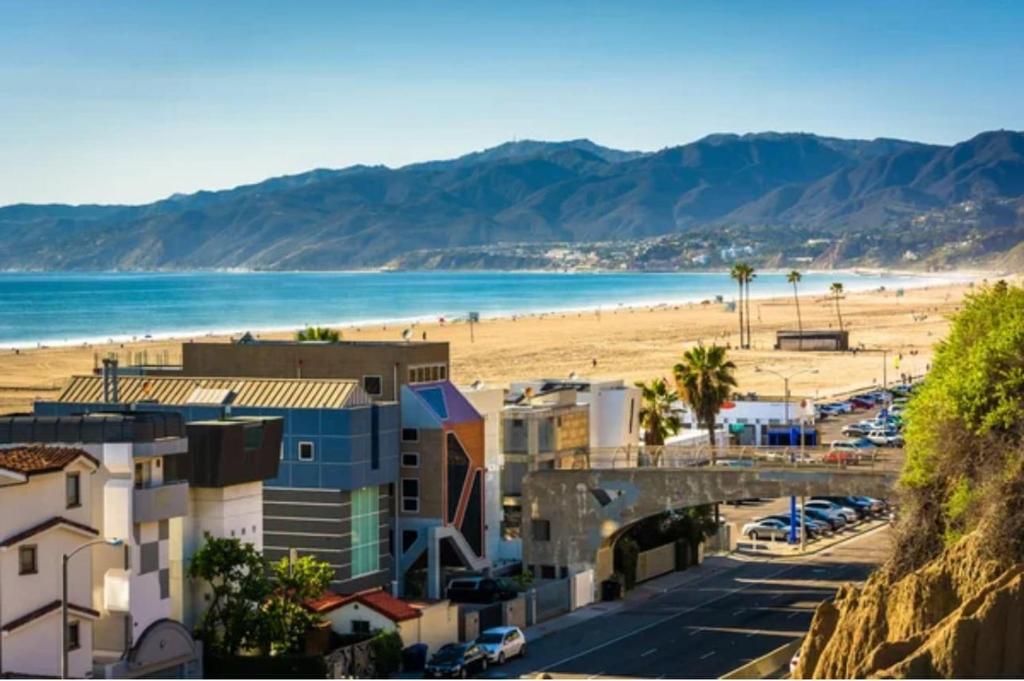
(835, 520)
(862, 508)
(480, 590)
(856, 430)
(502, 643)
(848, 513)
(456, 660)
(767, 528)
(878, 506)
(885, 438)
(815, 528)
(841, 456)
(862, 402)
(789, 456)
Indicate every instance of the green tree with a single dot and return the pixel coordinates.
(318, 333)
(748, 276)
(837, 292)
(287, 617)
(235, 575)
(737, 274)
(705, 379)
(794, 278)
(964, 468)
(656, 416)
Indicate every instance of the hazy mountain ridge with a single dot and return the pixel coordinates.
(879, 198)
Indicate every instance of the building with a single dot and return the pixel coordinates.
(813, 340)
(48, 495)
(380, 367)
(134, 632)
(333, 493)
(489, 403)
(442, 497)
(433, 623)
(614, 407)
(227, 462)
(761, 422)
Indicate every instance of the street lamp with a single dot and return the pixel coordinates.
(64, 599)
(792, 499)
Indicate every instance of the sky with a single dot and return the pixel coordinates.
(128, 102)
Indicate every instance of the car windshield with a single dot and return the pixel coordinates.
(462, 584)
(489, 638)
(449, 653)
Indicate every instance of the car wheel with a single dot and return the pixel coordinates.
(501, 658)
(463, 673)
(753, 536)
(522, 651)
(484, 665)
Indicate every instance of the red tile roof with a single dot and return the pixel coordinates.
(45, 525)
(395, 609)
(36, 459)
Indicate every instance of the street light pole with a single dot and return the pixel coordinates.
(65, 558)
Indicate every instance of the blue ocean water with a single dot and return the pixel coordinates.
(54, 308)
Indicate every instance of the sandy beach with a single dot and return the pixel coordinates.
(631, 343)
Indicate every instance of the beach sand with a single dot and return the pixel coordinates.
(632, 343)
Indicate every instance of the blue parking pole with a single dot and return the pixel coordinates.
(792, 520)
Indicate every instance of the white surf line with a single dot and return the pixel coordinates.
(786, 568)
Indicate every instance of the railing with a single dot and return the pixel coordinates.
(151, 504)
(732, 456)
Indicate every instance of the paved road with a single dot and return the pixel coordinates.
(705, 628)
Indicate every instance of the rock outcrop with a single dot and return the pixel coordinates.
(959, 616)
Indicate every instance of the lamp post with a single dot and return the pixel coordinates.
(64, 599)
(792, 499)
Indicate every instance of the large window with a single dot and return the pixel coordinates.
(73, 490)
(365, 531)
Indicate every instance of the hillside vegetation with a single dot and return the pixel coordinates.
(780, 197)
(950, 602)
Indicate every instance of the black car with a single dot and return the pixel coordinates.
(863, 508)
(480, 590)
(456, 660)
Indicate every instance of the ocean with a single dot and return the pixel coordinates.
(71, 308)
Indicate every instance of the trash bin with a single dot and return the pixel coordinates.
(611, 590)
(414, 658)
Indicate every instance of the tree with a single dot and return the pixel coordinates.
(794, 278)
(238, 584)
(318, 333)
(737, 274)
(837, 292)
(705, 380)
(287, 617)
(748, 276)
(656, 416)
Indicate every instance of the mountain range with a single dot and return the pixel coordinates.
(779, 195)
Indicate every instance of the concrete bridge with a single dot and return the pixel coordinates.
(571, 518)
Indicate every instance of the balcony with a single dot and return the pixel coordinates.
(151, 504)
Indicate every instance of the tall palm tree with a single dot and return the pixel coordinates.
(748, 277)
(656, 416)
(705, 379)
(837, 291)
(794, 278)
(737, 274)
(318, 333)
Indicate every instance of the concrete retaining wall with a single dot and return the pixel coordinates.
(767, 666)
(656, 562)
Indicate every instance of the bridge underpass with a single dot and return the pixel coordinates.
(572, 517)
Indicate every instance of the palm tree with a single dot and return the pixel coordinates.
(705, 379)
(737, 273)
(318, 333)
(656, 415)
(837, 291)
(794, 278)
(748, 277)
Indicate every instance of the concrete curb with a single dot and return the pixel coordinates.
(768, 665)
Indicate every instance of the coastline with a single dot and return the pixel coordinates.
(917, 280)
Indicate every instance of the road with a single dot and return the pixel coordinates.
(705, 628)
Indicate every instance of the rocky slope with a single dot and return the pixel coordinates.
(959, 616)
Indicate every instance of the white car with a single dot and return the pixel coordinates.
(848, 513)
(502, 643)
(884, 438)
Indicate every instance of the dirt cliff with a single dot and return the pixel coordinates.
(959, 616)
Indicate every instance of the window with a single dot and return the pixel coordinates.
(27, 564)
(410, 435)
(410, 460)
(541, 530)
(365, 531)
(305, 451)
(360, 627)
(73, 489)
(410, 495)
(428, 372)
(142, 474)
(373, 385)
(632, 412)
(74, 636)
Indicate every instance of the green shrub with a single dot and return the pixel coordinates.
(387, 653)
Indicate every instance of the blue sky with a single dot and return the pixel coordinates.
(132, 101)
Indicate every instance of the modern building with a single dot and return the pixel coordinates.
(489, 403)
(133, 500)
(614, 407)
(333, 494)
(47, 495)
(762, 422)
(441, 506)
(380, 367)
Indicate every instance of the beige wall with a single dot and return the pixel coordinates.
(574, 431)
(437, 625)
